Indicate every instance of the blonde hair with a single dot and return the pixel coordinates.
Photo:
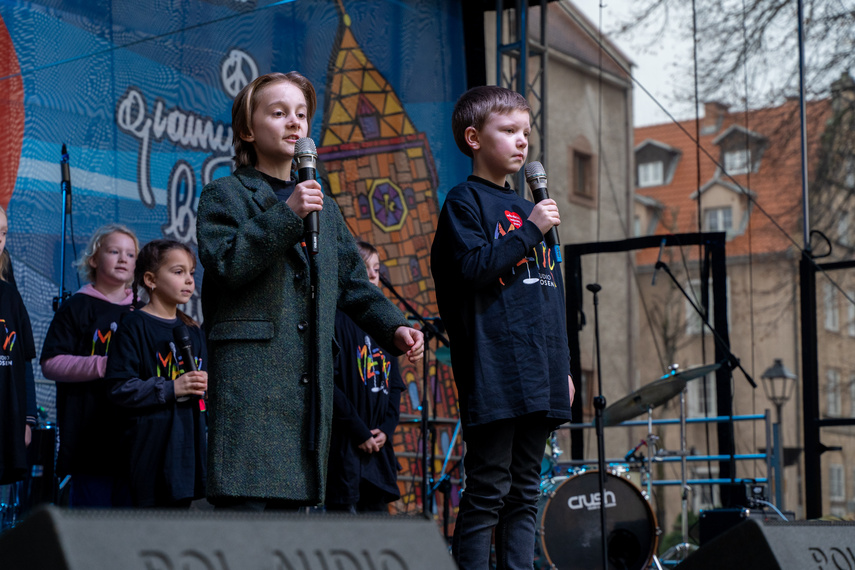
(86, 271)
(246, 102)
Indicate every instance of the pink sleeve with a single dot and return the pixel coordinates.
(68, 368)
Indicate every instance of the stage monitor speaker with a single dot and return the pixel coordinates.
(713, 522)
(802, 545)
(56, 539)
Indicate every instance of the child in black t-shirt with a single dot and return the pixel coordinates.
(363, 471)
(75, 357)
(500, 296)
(17, 388)
(164, 440)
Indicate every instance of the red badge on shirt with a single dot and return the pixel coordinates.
(514, 218)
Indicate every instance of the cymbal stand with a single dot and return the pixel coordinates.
(682, 550)
(599, 407)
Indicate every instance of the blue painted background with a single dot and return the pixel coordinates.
(119, 82)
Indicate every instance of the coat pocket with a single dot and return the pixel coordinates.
(241, 330)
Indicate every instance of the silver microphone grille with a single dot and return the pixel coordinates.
(532, 170)
(305, 145)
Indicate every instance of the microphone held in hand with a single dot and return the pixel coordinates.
(535, 175)
(306, 157)
(184, 346)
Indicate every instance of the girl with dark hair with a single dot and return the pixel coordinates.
(164, 439)
(363, 470)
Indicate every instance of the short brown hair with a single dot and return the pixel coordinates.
(246, 102)
(475, 106)
(366, 250)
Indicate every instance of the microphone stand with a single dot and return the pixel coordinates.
(65, 188)
(731, 358)
(733, 362)
(599, 407)
(430, 331)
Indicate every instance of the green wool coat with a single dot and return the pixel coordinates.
(256, 304)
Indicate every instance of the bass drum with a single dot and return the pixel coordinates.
(569, 524)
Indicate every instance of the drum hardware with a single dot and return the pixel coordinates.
(682, 550)
(568, 531)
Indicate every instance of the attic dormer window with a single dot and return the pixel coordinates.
(655, 164)
(719, 219)
(651, 174)
(741, 150)
(738, 161)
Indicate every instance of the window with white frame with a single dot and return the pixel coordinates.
(832, 317)
(850, 312)
(693, 320)
(718, 219)
(651, 174)
(836, 482)
(737, 161)
(832, 392)
(699, 400)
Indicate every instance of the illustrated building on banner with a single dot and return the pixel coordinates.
(381, 174)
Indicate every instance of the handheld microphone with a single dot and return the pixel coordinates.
(65, 184)
(535, 175)
(306, 157)
(184, 346)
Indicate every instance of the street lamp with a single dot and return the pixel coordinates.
(778, 383)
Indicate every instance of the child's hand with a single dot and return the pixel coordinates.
(572, 388)
(379, 437)
(28, 435)
(307, 197)
(369, 445)
(545, 215)
(191, 384)
(412, 341)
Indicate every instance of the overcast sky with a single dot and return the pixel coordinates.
(655, 66)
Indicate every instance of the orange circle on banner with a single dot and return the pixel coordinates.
(12, 111)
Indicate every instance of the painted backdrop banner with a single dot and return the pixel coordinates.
(141, 94)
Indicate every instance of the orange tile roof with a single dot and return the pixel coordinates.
(776, 185)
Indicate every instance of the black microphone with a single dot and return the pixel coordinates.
(658, 262)
(184, 346)
(385, 282)
(535, 175)
(629, 455)
(65, 184)
(306, 157)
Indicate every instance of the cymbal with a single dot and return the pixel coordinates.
(694, 371)
(648, 396)
(654, 394)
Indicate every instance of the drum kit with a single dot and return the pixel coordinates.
(569, 529)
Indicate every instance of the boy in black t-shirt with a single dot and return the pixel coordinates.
(500, 295)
